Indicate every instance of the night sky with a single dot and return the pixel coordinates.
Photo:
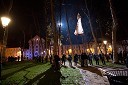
(28, 18)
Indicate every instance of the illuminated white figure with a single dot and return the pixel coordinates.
(79, 28)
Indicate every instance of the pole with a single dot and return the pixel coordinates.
(59, 46)
(3, 49)
(105, 49)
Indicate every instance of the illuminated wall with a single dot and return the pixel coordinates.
(26, 54)
(36, 47)
(88, 48)
(76, 49)
(0, 47)
(14, 52)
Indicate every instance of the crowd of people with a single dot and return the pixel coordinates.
(87, 59)
(84, 59)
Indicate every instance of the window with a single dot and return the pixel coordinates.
(36, 49)
(36, 46)
(36, 54)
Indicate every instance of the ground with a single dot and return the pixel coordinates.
(33, 73)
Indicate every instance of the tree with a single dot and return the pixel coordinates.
(55, 50)
(91, 27)
(114, 29)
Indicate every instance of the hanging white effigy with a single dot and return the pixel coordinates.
(79, 28)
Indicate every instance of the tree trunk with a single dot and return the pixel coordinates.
(91, 27)
(55, 50)
(69, 36)
(114, 29)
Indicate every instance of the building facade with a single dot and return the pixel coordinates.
(26, 53)
(1, 47)
(88, 48)
(36, 48)
(13, 52)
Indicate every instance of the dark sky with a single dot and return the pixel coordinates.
(28, 18)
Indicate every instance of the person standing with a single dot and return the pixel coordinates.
(70, 60)
(124, 56)
(63, 59)
(75, 59)
(86, 59)
(120, 57)
(96, 57)
(50, 58)
(90, 59)
(101, 56)
(56, 62)
(127, 60)
(82, 59)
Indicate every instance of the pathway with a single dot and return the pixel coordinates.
(91, 75)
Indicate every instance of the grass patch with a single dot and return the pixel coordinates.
(36, 70)
(11, 68)
(15, 64)
(30, 73)
(108, 64)
(16, 79)
(23, 76)
(71, 76)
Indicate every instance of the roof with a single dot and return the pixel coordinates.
(36, 38)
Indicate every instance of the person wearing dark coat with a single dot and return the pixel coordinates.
(70, 60)
(86, 59)
(82, 59)
(96, 57)
(127, 60)
(63, 59)
(75, 59)
(56, 62)
(50, 59)
(90, 59)
(101, 56)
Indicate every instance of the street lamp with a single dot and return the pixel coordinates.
(5, 21)
(105, 42)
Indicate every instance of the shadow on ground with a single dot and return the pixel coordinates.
(92, 69)
(49, 77)
(12, 73)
